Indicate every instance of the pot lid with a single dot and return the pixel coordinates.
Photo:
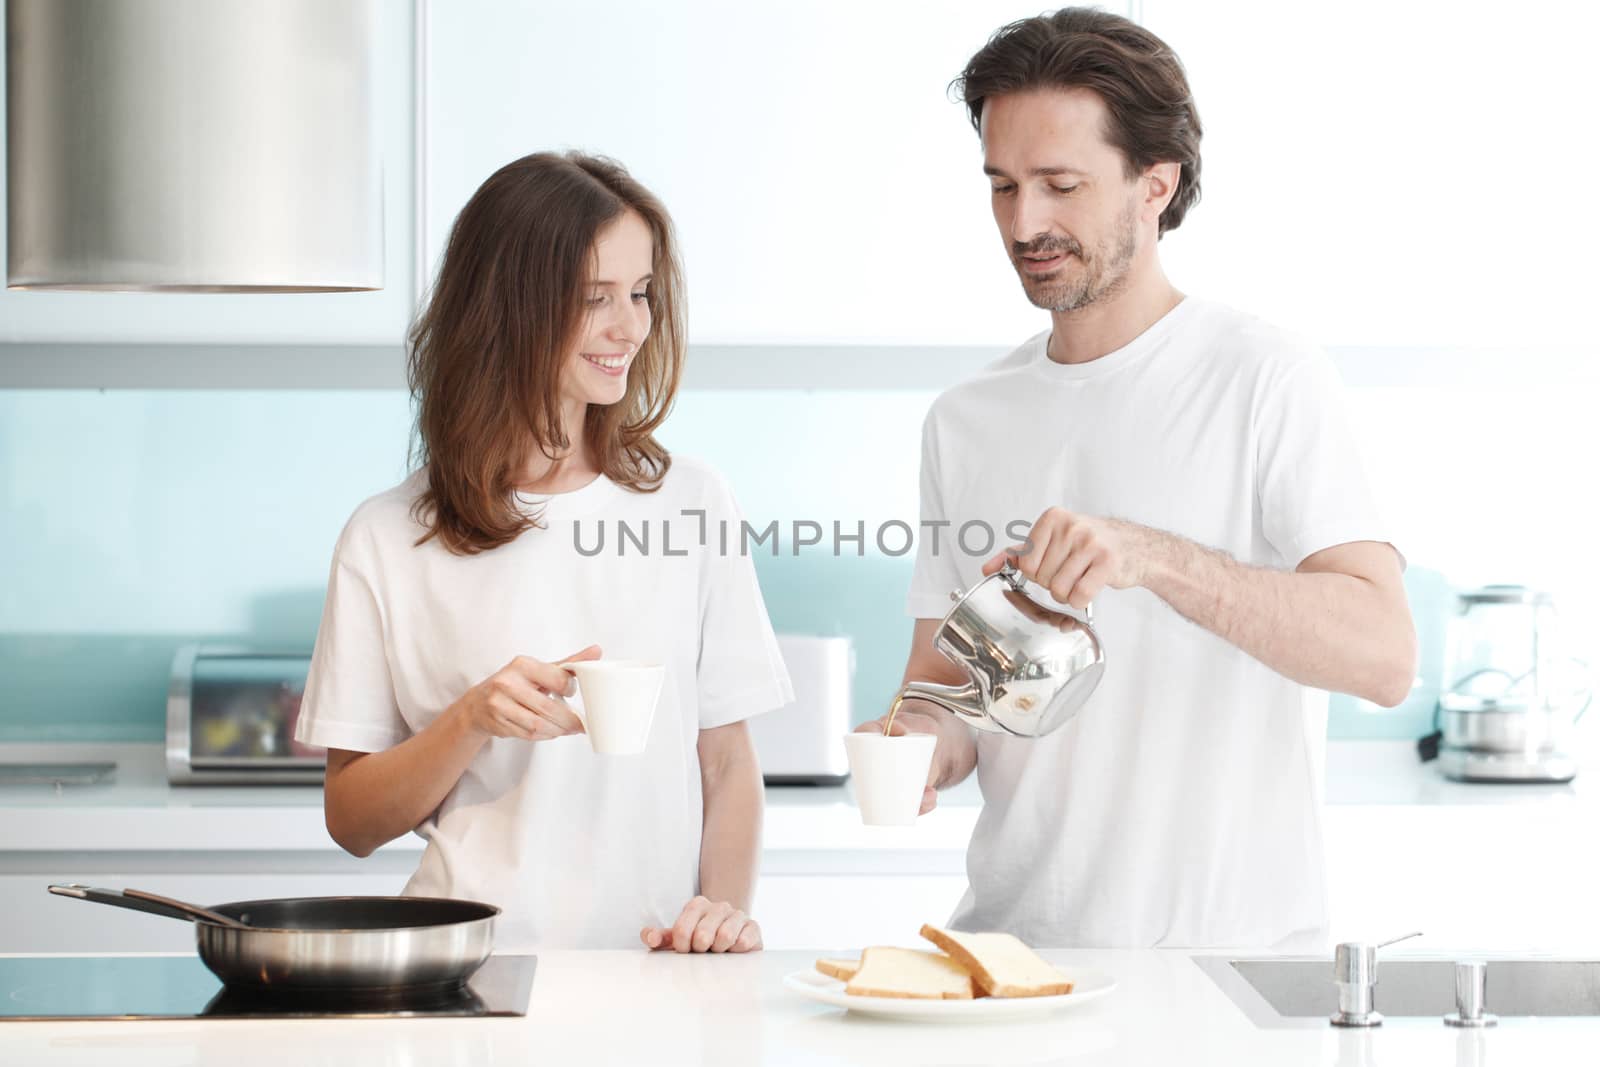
(1557, 704)
(1476, 702)
(1504, 594)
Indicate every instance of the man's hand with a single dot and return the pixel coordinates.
(1282, 618)
(910, 720)
(705, 926)
(1077, 556)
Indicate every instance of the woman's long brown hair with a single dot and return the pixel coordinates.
(505, 313)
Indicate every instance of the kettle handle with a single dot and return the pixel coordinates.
(1013, 577)
(1588, 690)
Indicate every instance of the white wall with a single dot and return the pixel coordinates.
(1394, 173)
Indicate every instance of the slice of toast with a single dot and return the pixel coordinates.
(910, 973)
(844, 970)
(1000, 964)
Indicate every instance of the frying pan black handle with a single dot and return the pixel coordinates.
(137, 900)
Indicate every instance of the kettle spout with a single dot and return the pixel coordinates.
(963, 701)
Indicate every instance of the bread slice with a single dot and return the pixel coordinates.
(1000, 964)
(844, 970)
(910, 973)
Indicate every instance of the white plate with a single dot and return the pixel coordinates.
(1086, 986)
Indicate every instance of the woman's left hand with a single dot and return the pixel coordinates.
(705, 926)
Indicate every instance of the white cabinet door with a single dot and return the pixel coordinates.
(35, 920)
(1381, 174)
(832, 912)
(825, 186)
(379, 317)
(847, 913)
(1503, 877)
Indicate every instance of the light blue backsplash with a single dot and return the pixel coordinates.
(133, 522)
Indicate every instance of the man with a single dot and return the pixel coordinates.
(1194, 477)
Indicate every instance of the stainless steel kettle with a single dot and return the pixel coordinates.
(1031, 666)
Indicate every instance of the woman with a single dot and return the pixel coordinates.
(547, 357)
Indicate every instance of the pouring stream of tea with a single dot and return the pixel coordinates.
(899, 698)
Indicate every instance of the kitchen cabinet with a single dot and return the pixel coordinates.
(1374, 190)
(840, 910)
(1391, 868)
(824, 877)
(39, 921)
(1386, 176)
(35, 319)
(825, 187)
(1472, 866)
(796, 911)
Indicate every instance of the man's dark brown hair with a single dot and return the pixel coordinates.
(1151, 113)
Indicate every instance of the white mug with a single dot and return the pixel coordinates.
(618, 699)
(889, 775)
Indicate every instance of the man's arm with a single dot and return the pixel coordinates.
(1340, 621)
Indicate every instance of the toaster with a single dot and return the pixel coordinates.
(802, 743)
(231, 714)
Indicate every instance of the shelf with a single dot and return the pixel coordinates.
(244, 366)
(820, 366)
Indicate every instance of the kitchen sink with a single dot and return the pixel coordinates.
(1293, 993)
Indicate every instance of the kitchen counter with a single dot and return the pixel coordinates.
(139, 810)
(643, 1008)
(1389, 773)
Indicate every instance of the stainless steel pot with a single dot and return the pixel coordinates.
(1031, 666)
(342, 943)
(1491, 727)
(1488, 740)
(1515, 692)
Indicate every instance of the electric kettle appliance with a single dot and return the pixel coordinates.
(1513, 691)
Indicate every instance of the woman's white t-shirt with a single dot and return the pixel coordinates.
(578, 849)
(1183, 805)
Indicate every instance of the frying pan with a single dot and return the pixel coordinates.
(331, 943)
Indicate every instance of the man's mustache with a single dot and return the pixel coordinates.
(1046, 245)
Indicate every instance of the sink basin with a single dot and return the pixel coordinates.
(1292, 993)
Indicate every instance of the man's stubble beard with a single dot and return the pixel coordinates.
(1103, 278)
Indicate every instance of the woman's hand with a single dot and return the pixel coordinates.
(523, 699)
(706, 926)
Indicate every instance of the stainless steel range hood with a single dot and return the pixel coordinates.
(192, 146)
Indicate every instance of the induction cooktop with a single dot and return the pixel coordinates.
(180, 987)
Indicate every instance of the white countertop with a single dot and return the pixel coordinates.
(140, 811)
(643, 1008)
(1387, 773)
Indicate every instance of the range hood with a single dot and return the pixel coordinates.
(192, 146)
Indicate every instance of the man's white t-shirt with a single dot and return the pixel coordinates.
(579, 850)
(1182, 806)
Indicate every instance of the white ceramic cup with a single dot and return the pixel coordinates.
(889, 775)
(618, 702)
